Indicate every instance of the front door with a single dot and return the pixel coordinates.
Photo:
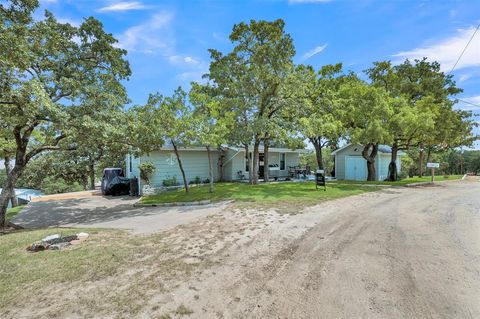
(355, 168)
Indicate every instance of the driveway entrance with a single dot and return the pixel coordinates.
(109, 212)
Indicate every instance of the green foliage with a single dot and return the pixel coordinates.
(209, 126)
(252, 81)
(57, 82)
(3, 176)
(172, 181)
(320, 117)
(423, 113)
(309, 159)
(470, 160)
(51, 185)
(11, 212)
(368, 110)
(146, 171)
(48, 184)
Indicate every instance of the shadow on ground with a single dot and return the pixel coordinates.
(104, 211)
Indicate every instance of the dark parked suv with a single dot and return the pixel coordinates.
(108, 175)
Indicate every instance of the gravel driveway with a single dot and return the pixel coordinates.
(109, 212)
(397, 253)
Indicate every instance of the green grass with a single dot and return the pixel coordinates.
(20, 269)
(41, 279)
(11, 212)
(402, 182)
(295, 194)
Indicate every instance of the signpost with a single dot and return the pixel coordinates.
(433, 166)
(320, 179)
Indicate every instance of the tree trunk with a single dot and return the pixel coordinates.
(9, 186)
(370, 158)
(255, 161)
(8, 169)
(392, 167)
(221, 157)
(318, 152)
(429, 154)
(333, 147)
(266, 172)
(210, 165)
(248, 160)
(185, 182)
(420, 162)
(91, 167)
(85, 182)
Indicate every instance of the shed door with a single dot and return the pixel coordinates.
(355, 168)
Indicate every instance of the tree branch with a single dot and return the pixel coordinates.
(51, 147)
(60, 96)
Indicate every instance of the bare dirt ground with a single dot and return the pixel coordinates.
(395, 253)
(402, 253)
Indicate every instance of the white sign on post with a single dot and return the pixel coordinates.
(432, 166)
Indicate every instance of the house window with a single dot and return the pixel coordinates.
(282, 161)
(130, 164)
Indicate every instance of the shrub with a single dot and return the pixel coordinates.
(197, 180)
(146, 171)
(52, 185)
(446, 176)
(170, 181)
(402, 175)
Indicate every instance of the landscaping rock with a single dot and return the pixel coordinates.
(62, 239)
(82, 235)
(53, 242)
(59, 246)
(38, 246)
(54, 236)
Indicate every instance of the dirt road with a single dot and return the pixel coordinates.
(395, 253)
(401, 253)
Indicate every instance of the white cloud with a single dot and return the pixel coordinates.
(192, 76)
(156, 36)
(149, 37)
(471, 103)
(308, 1)
(447, 51)
(123, 6)
(464, 77)
(178, 59)
(313, 52)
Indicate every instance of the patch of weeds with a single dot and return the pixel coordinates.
(183, 311)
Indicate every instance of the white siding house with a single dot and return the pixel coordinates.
(350, 164)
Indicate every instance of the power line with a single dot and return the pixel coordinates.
(465, 48)
(466, 102)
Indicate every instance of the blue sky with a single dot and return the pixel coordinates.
(167, 41)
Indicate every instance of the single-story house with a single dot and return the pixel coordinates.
(195, 163)
(350, 164)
